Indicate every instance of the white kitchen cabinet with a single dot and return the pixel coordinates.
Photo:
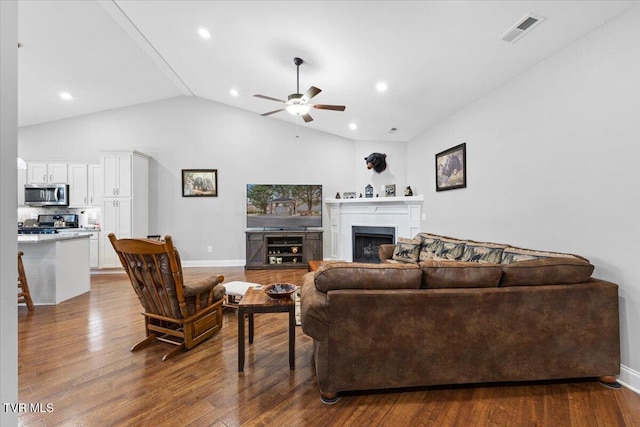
(37, 173)
(94, 184)
(78, 185)
(47, 173)
(116, 218)
(94, 250)
(84, 185)
(125, 201)
(117, 173)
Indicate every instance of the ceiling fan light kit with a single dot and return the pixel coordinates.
(297, 103)
(298, 109)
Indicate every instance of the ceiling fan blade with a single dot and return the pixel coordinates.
(269, 98)
(273, 112)
(307, 118)
(329, 107)
(313, 91)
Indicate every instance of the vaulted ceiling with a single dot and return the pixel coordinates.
(435, 57)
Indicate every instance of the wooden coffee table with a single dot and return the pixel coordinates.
(314, 265)
(256, 301)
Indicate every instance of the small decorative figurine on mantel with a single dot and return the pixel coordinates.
(408, 191)
(337, 195)
(368, 191)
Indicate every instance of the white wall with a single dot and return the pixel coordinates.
(553, 164)
(8, 183)
(186, 133)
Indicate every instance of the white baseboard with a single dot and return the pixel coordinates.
(215, 263)
(115, 270)
(629, 378)
(185, 264)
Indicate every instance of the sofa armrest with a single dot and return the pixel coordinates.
(314, 309)
(385, 252)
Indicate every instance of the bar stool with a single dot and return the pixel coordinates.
(24, 295)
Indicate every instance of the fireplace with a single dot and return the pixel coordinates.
(400, 214)
(367, 240)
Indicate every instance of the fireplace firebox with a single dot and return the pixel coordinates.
(367, 240)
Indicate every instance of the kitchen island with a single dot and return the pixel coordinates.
(56, 266)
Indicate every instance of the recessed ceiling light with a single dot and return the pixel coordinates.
(353, 126)
(381, 87)
(234, 92)
(204, 33)
(66, 96)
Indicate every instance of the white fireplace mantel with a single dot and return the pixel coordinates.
(401, 213)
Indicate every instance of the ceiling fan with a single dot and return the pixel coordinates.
(297, 103)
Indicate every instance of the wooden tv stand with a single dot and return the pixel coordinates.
(282, 248)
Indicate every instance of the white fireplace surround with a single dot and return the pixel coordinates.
(401, 213)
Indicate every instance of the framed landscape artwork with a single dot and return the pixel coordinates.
(199, 183)
(451, 168)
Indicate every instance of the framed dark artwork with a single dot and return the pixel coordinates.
(199, 183)
(451, 168)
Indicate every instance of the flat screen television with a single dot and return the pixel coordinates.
(277, 206)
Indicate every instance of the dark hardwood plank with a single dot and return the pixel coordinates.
(76, 356)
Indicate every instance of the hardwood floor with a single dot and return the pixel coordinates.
(75, 356)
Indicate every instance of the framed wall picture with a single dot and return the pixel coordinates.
(349, 195)
(451, 168)
(390, 190)
(199, 183)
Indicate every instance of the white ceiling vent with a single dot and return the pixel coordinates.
(522, 27)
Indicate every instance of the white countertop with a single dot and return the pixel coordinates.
(40, 238)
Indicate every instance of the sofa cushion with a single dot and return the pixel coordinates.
(448, 248)
(483, 252)
(512, 254)
(459, 274)
(407, 250)
(346, 275)
(546, 271)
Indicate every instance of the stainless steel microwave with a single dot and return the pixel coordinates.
(46, 195)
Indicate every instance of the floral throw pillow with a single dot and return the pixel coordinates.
(407, 250)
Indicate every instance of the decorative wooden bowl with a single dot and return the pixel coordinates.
(280, 290)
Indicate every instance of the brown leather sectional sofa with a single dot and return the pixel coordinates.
(446, 321)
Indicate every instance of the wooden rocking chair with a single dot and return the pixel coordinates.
(176, 311)
(24, 294)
